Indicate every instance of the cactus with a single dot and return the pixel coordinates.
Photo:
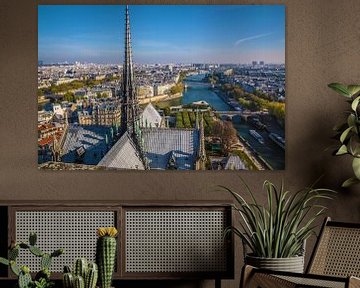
(42, 278)
(4, 261)
(68, 280)
(89, 272)
(91, 276)
(79, 282)
(45, 261)
(32, 238)
(67, 269)
(14, 268)
(13, 253)
(80, 267)
(36, 251)
(105, 255)
(24, 280)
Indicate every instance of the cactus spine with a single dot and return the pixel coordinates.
(106, 254)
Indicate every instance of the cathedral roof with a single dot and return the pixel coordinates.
(150, 117)
(91, 138)
(162, 148)
(162, 143)
(233, 162)
(123, 155)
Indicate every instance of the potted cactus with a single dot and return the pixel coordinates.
(106, 254)
(42, 278)
(84, 275)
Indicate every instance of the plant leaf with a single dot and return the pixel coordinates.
(351, 120)
(345, 134)
(356, 167)
(349, 182)
(342, 150)
(353, 89)
(355, 103)
(340, 88)
(4, 261)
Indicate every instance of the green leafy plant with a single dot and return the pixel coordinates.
(349, 132)
(42, 278)
(279, 229)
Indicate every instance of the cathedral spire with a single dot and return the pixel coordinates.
(130, 104)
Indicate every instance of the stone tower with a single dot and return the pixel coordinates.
(130, 103)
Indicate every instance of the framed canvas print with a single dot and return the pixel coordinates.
(138, 87)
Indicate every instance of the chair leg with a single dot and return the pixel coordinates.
(217, 283)
(246, 273)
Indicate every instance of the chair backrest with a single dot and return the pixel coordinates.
(337, 251)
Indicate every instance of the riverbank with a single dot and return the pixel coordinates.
(258, 161)
(160, 98)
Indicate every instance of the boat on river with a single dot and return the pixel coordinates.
(277, 139)
(257, 136)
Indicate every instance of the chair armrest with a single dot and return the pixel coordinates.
(354, 282)
(252, 277)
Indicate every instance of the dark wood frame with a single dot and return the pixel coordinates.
(119, 208)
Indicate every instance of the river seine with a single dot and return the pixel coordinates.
(198, 90)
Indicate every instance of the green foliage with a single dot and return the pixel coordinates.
(349, 131)
(70, 97)
(179, 121)
(42, 278)
(101, 95)
(256, 101)
(68, 87)
(43, 283)
(177, 88)
(279, 229)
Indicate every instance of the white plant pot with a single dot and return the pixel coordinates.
(291, 264)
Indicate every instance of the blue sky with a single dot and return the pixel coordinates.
(162, 33)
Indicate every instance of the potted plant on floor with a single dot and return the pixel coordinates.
(349, 132)
(276, 233)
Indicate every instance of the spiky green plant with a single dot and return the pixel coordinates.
(106, 254)
(279, 229)
(349, 132)
(84, 273)
(42, 278)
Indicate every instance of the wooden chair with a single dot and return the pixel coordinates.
(335, 262)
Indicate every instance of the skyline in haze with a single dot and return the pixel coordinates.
(162, 33)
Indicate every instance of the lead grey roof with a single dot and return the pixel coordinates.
(233, 162)
(150, 117)
(92, 138)
(123, 155)
(162, 143)
(159, 146)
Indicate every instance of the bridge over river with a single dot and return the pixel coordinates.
(243, 114)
